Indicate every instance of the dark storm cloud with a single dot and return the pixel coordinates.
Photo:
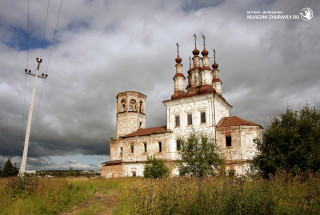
(115, 46)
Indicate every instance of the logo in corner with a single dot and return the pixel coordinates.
(306, 14)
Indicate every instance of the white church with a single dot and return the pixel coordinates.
(199, 106)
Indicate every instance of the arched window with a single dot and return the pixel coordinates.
(132, 105)
(123, 105)
(140, 107)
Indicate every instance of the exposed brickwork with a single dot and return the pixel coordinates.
(202, 108)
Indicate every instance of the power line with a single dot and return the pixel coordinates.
(28, 36)
(27, 65)
(53, 39)
(52, 43)
(44, 30)
(44, 33)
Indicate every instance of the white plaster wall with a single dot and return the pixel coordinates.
(179, 83)
(129, 168)
(249, 147)
(214, 107)
(139, 154)
(206, 77)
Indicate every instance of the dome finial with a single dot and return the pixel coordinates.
(195, 51)
(214, 65)
(177, 48)
(204, 41)
(178, 59)
(204, 52)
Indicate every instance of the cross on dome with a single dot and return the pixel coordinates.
(178, 59)
(215, 65)
(204, 52)
(195, 40)
(177, 48)
(204, 40)
(195, 51)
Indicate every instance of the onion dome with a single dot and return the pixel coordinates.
(195, 51)
(204, 52)
(215, 65)
(178, 59)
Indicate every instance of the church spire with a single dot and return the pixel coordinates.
(215, 65)
(195, 52)
(204, 52)
(179, 78)
(205, 72)
(178, 59)
(216, 82)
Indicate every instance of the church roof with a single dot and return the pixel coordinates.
(234, 121)
(200, 94)
(148, 131)
(114, 162)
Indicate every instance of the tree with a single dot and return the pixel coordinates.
(77, 173)
(155, 168)
(291, 142)
(200, 155)
(9, 169)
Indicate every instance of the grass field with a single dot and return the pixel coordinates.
(222, 195)
(281, 194)
(33, 195)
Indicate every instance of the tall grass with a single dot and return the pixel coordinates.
(281, 194)
(46, 195)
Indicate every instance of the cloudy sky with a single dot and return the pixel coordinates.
(102, 48)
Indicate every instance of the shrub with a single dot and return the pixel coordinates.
(200, 155)
(291, 143)
(155, 168)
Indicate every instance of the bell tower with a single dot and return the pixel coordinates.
(131, 116)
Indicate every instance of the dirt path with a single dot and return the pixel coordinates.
(108, 203)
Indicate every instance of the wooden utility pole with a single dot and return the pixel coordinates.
(26, 142)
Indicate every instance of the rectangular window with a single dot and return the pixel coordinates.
(203, 117)
(177, 121)
(132, 148)
(232, 172)
(121, 151)
(145, 147)
(178, 145)
(160, 146)
(190, 119)
(228, 141)
(134, 174)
